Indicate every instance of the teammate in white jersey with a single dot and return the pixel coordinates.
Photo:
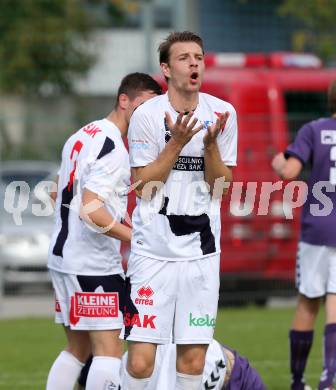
(180, 144)
(84, 255)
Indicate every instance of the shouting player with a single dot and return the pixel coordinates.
(315, 143)
(84, 256)
(180, 144)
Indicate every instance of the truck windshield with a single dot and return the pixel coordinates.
(303, 107)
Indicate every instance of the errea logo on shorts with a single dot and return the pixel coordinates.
(96, 304)
(144, 294)
(202, 321)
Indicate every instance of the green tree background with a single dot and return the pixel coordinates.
(44, 48)
(43, 45)
(316, 30)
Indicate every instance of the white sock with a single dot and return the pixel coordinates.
(188, 382)
(104, 373)
(131, 383)
(64, 372)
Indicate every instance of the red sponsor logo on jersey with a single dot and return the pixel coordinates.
(220, 115)
(93, 305)
(136, 320)
(144, 294)
(57, 306)
(91, 129)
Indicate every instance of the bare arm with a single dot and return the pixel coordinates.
(230, 360)
(214, 166)
(159, 169)
(287, 169)
(182, 132)
(94, 212)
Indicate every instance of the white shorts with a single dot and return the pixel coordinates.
(315, 270)
(88, 302)
(171, 300)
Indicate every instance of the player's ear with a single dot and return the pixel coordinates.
(124, 101)
(165, 69)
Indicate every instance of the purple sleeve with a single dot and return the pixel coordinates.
(302, 146)
(243, 376)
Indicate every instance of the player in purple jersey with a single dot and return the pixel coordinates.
(243, 376)
(316, 259)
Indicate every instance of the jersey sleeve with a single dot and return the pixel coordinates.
(227, 140)
(302, 146)
(105, 171)
(143, 145)
(243, 375)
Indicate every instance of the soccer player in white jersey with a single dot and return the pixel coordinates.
(185, 140)
(84, 255)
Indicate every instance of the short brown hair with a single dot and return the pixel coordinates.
(332, 97)
(184, 36)
(134, 83)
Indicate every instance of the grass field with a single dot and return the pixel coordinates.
(29, 346)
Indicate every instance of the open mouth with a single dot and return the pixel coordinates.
(194, 76)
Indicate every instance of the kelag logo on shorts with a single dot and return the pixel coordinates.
(96, 304)
(201, 321)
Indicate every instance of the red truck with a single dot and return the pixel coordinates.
(273, 94)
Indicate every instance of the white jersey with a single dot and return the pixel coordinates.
(94, 158)
(181, 222)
